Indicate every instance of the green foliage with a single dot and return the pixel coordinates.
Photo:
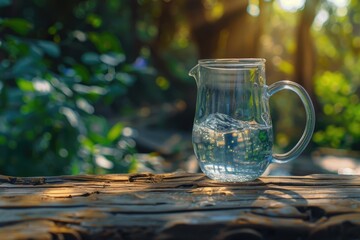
(49, 95)
(338, 87)
(340, 105)
(18, 25)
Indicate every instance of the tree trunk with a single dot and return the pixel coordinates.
(305, 57)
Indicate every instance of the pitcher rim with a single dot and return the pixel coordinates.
(236, 61)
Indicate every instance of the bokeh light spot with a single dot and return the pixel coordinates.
(340, 3)
(291, 6)
(162, 83)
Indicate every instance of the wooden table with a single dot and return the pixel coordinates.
(179, 206)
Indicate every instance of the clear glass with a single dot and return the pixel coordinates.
(232, 132)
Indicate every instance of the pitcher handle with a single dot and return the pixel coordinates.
(310, 119)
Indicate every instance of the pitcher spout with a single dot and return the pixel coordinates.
(194, 73)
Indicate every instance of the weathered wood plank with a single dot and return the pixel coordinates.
(179, 206)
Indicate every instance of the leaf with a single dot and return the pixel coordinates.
(103, 162)
(74, 166)
(84, 105)
(71, 116)
(4, 3)
(98, 138)
(105, 42)
(112, 59)
(50, 48)
(87, 143)
(125, 78)
(61, 86)
(82, 72)
(18, 25)
(35, 51)
(94, 20)
(115, 131)
(90, 58)
(133, 166)
(94, 90)
(23, 65)
(25, 85)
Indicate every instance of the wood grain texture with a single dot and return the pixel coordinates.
(179, 206)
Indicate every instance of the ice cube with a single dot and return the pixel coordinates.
(220, 122)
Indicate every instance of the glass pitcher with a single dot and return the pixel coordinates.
(232, 132)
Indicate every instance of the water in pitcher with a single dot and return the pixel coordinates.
(232, 150)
